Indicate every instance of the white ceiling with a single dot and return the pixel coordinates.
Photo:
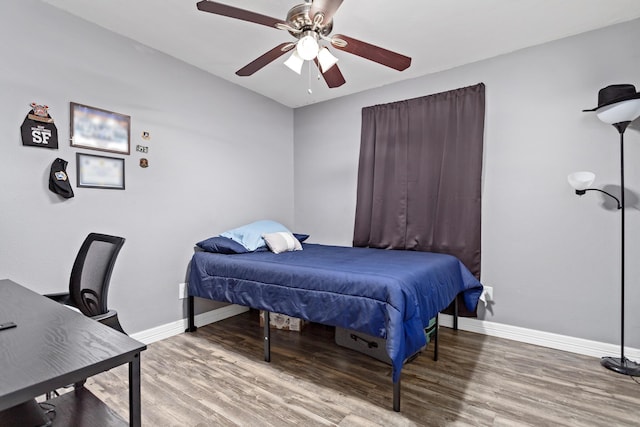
(437, 34)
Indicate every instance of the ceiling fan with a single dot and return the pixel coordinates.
(310, 23)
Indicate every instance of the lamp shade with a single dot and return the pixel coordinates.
(326, 59)
(581, 180)
(625, 111)
(307, 46)
(294, 62)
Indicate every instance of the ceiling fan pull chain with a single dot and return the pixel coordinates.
(309, 91)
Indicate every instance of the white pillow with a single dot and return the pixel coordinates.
(282, 241)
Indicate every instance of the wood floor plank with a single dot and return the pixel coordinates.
(217, 377)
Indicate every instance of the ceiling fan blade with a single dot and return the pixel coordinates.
(327, 7)
(333, 76)
(234, 12)
(373, 53)
(265, 59)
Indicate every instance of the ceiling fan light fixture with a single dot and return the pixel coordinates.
(294, 62)
(326, 59)
(307, 46)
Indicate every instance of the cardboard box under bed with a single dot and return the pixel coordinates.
(284, 322)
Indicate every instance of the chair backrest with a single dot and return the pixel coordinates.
(91, 273)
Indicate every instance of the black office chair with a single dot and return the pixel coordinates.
(90, 276)
(88, 289)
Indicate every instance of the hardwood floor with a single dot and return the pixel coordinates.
(217, 377)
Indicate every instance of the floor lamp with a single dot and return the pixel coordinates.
(618, 105)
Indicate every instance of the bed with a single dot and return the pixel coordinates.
(390, 294)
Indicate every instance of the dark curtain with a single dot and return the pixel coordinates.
(419, 177)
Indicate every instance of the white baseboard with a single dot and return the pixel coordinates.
(174, 328)
(544, 339)
(515, 333)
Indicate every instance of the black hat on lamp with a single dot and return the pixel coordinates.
(613, 94)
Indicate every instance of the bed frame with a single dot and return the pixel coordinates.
(267, 341)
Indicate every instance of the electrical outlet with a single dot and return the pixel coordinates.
(182, 291)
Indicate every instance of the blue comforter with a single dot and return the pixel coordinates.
(389, 294)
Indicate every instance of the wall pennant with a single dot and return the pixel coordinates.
(38, 129)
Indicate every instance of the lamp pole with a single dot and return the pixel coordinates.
(623, 365)
(621, 128)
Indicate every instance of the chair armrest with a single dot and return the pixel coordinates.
(110, 318)
(105, 316)
(61, 297)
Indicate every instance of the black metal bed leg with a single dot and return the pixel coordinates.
(435, 339)
(267, 337)
(191, 315)
(191, 327)
(455, 314)
(396, 396)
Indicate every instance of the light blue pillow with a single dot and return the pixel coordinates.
(250, 235)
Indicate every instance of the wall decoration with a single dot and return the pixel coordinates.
(142, 149)
(144, 163)
(99, 171)
(146, 136)
(37, 129)
(98, 129)
(59, 180)
(40, 113)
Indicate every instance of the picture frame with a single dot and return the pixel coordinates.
(97, 129)
(95, 171)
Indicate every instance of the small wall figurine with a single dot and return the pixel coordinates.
(40, 113)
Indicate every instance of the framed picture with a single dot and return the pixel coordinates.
(99, 171)
(98, 129)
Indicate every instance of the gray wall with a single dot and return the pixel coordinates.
(553, 258)
(210, 145)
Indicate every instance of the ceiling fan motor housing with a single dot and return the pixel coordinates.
(298, 18)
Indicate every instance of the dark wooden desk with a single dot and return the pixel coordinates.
(53, 346)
